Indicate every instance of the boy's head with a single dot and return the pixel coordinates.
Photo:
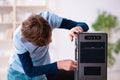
(36, 30)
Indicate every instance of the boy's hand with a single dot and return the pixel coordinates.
(67, 65)
(74, 31)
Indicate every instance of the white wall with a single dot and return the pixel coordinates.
(84, 10)
(61, 46)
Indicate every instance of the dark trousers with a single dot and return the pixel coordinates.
(61, 75)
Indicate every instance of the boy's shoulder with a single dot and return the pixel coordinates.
(17, 32)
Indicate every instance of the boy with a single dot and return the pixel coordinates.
(30, 60)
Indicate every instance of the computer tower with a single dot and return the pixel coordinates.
(91, 54)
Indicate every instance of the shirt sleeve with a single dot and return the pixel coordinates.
(33, 71)
(68, 24)
(53, 19)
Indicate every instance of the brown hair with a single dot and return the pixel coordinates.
(36, 30)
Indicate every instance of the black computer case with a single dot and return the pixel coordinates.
(91, 54)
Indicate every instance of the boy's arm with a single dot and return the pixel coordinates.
(69, 24)
(33, 71)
